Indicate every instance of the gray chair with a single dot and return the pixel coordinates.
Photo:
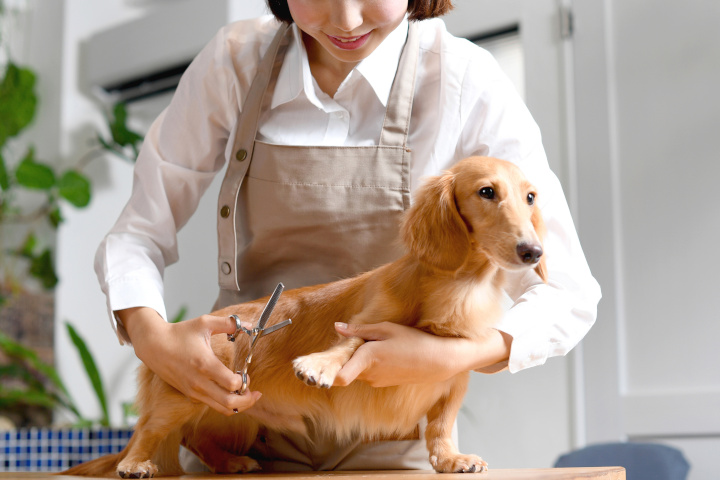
(642, 461)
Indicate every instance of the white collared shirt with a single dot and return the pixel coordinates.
(464, 105)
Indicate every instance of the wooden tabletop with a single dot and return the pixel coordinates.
(595, 473)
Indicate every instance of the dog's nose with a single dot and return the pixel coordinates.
(529, 252)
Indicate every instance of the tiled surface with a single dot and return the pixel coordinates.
(52, 450)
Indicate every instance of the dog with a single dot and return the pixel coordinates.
(465, 229)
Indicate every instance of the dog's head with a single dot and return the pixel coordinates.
(482, 205)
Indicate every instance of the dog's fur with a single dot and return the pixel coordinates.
(459, 242)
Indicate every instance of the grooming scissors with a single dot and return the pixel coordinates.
(258, 331)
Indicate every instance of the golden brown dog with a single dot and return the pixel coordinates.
(464, 230)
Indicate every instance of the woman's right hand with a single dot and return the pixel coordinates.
(180, 354)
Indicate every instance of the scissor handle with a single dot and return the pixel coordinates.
(238, 328)
(243, 389)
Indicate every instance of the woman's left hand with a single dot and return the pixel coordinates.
(396, 355)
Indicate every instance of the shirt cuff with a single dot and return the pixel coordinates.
(526, 350)
(133, 292)
(545, 322)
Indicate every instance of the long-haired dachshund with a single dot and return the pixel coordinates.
(465, 229)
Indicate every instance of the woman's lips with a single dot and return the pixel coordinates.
(349, 43)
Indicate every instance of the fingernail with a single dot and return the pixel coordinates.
(341, 325)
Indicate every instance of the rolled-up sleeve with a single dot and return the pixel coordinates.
(182, 152)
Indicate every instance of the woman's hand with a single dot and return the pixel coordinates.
(397, 355)
(180, 354)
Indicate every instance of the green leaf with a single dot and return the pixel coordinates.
(102, 142)
(10, 397)
(4, 179)
(28, 246)
(129, 410)
(20, 372)
(121, 134)
(180, 316)
(92, 371)
(35, 175)
(24, 361)
(18, 351)
(42, 268)
(17, 101)
(75, 188)
(55, 217)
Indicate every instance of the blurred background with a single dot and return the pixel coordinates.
(626, 93)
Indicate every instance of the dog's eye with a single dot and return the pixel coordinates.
(531, 198)
(487, 192)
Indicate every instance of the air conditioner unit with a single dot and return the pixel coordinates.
(147, 56)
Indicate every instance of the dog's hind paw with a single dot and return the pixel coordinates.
(316, 370)
(459, 464)
(145, 469)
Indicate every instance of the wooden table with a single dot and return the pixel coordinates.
(595, 473)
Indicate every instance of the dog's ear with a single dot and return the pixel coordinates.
(433, 229)
(539, 225)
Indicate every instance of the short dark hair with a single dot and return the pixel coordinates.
(417, 9)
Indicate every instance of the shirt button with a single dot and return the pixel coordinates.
(241, 155)
(225, 211)
(226, 268)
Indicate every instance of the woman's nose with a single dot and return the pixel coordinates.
(347, 15)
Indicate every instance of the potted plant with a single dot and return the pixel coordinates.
(35, 383)
(33, 194)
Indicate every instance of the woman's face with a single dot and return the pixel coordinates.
(346, 30)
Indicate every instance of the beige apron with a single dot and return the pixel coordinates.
(309, 215)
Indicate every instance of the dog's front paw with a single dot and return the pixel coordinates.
(317, 370)
(458, 464)
(145, 469)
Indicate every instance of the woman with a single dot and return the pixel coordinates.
(326, 127)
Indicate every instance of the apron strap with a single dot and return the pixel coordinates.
(243, 145)
(399, 106)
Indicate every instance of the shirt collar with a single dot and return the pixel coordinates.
(375, 67)
(293, 72)
(295, 76)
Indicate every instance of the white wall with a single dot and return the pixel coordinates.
(648, 116)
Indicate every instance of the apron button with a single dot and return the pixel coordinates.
(241, 155)
(225, 211)
(226, 268)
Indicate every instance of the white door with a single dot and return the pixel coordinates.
(526, 419)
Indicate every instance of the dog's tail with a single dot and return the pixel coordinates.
(100, 467)
(105, 466)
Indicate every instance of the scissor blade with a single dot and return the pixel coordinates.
(277, 326)
(270, 306)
